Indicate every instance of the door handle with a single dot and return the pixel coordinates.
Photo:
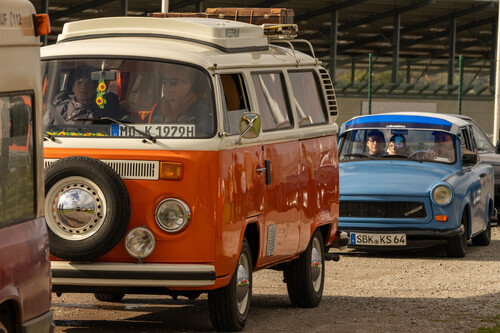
(267, 170)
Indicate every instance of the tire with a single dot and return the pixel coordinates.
(457, 246)
(228, 306)
(109, 297)
(305, 276)
(484, 238)
(96, 217)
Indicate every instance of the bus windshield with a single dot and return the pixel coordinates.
(123, 97)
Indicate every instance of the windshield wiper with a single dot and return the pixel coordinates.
(148, 137)
(358, 155)
(48, 136)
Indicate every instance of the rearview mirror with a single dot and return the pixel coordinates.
(105, 75)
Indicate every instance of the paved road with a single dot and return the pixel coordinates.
(421, 291)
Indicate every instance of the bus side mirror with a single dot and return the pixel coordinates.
(249, 126)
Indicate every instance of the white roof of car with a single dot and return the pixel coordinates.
(455, 119)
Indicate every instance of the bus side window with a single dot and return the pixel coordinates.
(273, 106)
(309, 101)
(236, 101)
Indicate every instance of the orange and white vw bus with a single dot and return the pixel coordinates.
(184, 154)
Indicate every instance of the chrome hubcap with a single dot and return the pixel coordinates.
(316, 265)
(242, 284)
(75, 208)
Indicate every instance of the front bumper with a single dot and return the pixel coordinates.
(66, 275)
(416, 238)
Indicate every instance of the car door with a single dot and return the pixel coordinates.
(479, 178)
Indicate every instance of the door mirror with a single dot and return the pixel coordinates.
(469, 159)
(249, 126)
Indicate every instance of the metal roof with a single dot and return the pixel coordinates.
(363, 26)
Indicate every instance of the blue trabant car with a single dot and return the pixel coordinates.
(411, 180)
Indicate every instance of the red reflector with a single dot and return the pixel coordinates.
(42, 24)
(441, 218)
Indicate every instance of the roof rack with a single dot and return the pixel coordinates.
(256, 16)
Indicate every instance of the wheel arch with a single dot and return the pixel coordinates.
(325, 232)
(252, 236)
(9, 307)
(467, 213)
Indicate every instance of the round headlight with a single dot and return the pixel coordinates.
(442, 195)
(172, 215)
(140, 242)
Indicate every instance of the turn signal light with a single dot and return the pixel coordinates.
(171, 171)
(42, 24)
(441, 218)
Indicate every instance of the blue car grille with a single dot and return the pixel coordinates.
(383, 209)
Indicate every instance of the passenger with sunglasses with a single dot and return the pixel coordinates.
(375, 143)
(180, 102)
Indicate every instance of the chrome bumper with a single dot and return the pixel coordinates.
(131, 274)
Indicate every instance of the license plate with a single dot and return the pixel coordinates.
(156, 130)
(377, 239)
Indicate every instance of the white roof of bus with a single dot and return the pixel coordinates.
(224, 33)
(16, 23)
(203, 41)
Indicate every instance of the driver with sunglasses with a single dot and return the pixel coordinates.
(180, 104)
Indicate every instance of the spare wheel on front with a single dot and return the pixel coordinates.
(87, 208)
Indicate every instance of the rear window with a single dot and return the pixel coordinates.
(17, 184)
(120, 97)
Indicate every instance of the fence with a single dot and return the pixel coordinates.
(366, 85)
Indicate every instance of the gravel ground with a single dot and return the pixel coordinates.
(417, 291)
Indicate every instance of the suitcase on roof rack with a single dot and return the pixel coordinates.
(249, 15)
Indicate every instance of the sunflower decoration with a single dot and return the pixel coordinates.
(101, 91)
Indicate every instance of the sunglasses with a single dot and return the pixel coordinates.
(377, 140)
(172, 81)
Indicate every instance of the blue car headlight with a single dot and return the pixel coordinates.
(442, 195)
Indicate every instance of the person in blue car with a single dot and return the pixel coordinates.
(443, 147)
(375, 143)
(397, 145)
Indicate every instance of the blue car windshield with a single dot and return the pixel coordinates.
(419, 145)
